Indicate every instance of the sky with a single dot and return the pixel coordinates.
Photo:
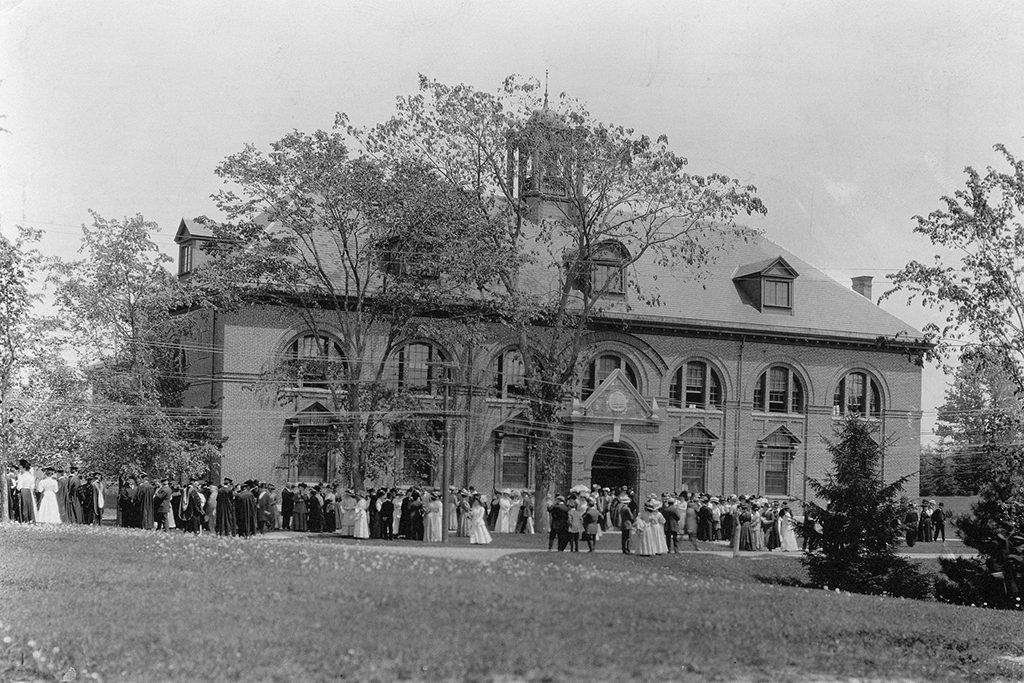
(849, 117)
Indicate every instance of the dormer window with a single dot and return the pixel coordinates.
(604, 273)
(767, 285)
(185, 254)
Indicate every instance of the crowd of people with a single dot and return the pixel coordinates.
(652, 526)
(54, 495)
(926, 523)
(655, 526)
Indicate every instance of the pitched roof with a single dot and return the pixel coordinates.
(189, 228)
(821, 306)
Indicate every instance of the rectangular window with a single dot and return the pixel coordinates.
(693, 464)
(515, 465)
(312, 446)
(855, 393)
(608, 275)
(695, 385)
(777, 390)
(776, 471)
(777, 293)
(185, 258)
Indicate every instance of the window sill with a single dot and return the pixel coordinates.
(788, 416)
(702, 411)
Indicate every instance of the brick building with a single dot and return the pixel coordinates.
(728, 386)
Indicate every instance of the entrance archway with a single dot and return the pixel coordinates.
(615, 465)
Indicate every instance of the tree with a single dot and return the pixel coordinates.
(607, 187)
(978, 283)
(937, 478)
(20, 260)
(995, 528)
(979, 399)
(977, 279)
(117, 304)
(862, 521)
(365, 252)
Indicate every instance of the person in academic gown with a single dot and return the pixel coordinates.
(316, 510)
(524, 523)
(373, 509)
(62, 495)
(126, 501)
(190, 511)
(144, 503)
(416, 517)
(405, 516)
(75, 483)
(287, 506)
(245, 511)
(330, 512)
(227, 524)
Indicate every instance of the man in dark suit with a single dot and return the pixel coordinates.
(387, 514)
(162, 504)
(625, 521)
(939, 522)
(672, 518)
(559, 514)
(287, 506)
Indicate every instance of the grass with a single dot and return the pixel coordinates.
(133, 605)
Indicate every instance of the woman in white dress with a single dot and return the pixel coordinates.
(360, 518)
(661, 546)
(504, 523)
(649, 526)
(48, 511)
(478, 533)
(787, 535)
(432, 520)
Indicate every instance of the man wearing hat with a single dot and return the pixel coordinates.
(672, 518)
(559, 514)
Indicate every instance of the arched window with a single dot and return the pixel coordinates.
(602, 366)
(696, 385)
(420, 368)
(857, 394)
(509, 374)
(779, 390)
(316, 361)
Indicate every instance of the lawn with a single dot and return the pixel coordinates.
(132, 605)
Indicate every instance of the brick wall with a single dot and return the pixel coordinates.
(252, 416)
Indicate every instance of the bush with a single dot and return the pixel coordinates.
(861, 522)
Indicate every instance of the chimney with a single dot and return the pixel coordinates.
(862, 285)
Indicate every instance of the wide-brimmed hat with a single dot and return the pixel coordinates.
(624, 498)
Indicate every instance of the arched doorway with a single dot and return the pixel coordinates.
(615, 465)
